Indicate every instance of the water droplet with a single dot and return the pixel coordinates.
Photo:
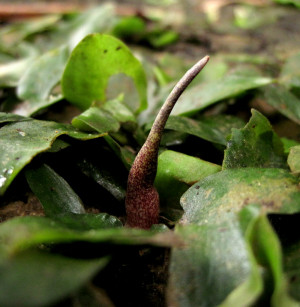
(2, 180)
(10, 171)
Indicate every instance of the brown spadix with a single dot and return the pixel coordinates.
(142, 200)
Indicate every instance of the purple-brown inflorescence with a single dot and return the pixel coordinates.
(142, 200)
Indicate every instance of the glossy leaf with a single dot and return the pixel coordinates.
(224, 193)
(214, 129)
(92, 63)
(20, 142)
(291, 261)
(106, 175)
(209, 266)
(22, 233)
(206, 94)
(10, 117)
(268, 253)
(218, 263)
(294, 2)
(248, 292)
(16, 32)
(88, 221)
(119, 110)
(284, 101)
(54, 193)
(175, 173)
(36, 278)
(294, 159)
(41, 76)
(256, 145)
(12, 71)
(100, 19)
(96, 119)
(290, 75)
(288, 144)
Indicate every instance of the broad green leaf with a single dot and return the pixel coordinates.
(123, 153)
(100, 19)
(251, 17)
(162, 38)
(294, 159)
(54, 193)
(95, 59)
(20, 142)
(37, 82)
(129, 26)
(247, 293)
(217, 262)
(206, 94)
(224, 193)
(290, 75)
(214, 129)
(88, 221)
(105, 173)
(268, 253)
(96, 119)
(11, 72)
(213, 262)
(13, 33)
(256, 145)
(283, 101)
(294, 2)
(58, 145)
(288, 144)
(21, 233)
(10, 117)
(175, 173)
(291, 261)
(119, 110)
(35, 278)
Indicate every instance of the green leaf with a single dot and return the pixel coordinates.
(37, 82)
(22, 233)
(35, 278)
(95, 59)
(105, 175)
(294, 2)
(224, 193)
(294, 159)
(129, 26)
(10, 117)
(247, 293)
(218, 263)
(123, 153)
(291, 261)
(54, 193)
(206, 94)
(20, 142)
(13, 33)
(175, 173)
(290, 72)
(214, 129)
(96, 119)
(256, 145)
(267, 250)
(88, 221)
(119, 111)
(288, 144)
(213, 262)
(283, 101)
(12, 71)
(100, 19)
